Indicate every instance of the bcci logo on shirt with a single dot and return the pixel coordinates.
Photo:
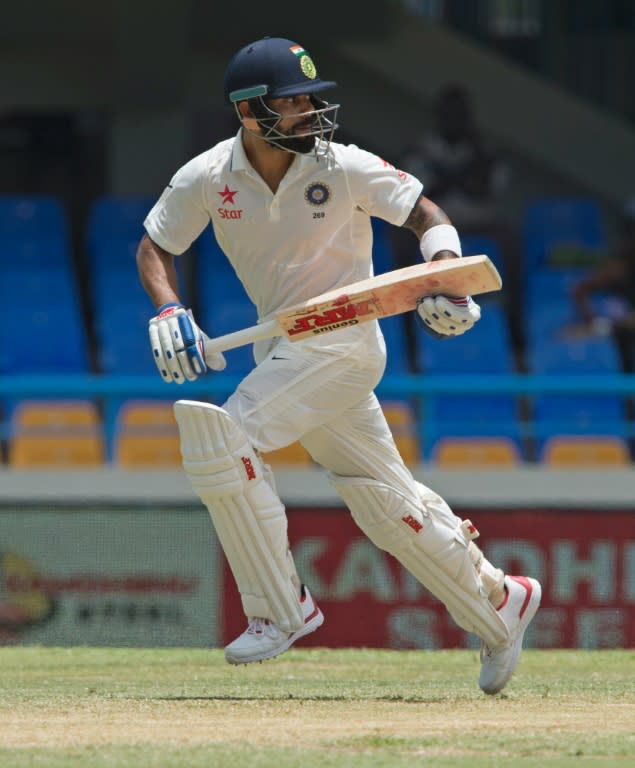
(317, 193)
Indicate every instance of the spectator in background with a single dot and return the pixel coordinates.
(615, 279)
(466, 178)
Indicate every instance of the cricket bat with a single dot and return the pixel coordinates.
(391, 293)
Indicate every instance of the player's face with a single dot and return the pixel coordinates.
(298, 121)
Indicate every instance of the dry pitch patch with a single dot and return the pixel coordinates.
(369, 707)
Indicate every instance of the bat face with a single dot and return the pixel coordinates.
(327, 316)
(389, 294)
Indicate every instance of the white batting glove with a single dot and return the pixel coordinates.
(178, 345)
(442, 316)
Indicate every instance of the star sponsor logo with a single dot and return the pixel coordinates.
(228, 196)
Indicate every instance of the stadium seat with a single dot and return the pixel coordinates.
(62, 449)
(223, 303)
(152, 414)
(43, 329)
(48, 253)
(402, 421)
(394, 331)
(55, 434)
(117, 218)
(135, 449)
(294, 455)
(475, 451)
(576, 413)
(472, 245)
(561, 232)
(53, 414)
(124, 349)
(585, 451)
(146, 434)
(32, 217)
(383, 256)
(485, 349)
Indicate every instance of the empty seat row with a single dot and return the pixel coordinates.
(70, 433)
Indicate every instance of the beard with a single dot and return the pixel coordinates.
(289, 141)
(301, 144)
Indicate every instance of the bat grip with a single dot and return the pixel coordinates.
(249, 335)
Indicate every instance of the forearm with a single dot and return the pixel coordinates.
(424, 216)
(157, 273)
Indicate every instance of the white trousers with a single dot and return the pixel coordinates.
(322, 395)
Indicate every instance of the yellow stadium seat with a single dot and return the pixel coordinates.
(398, 413)
(147, 450)
(56, 433)
(146, 435)
(56, 449)
(55, 413)
(294, 455)
(475, 451)
(403, 425)
(146, 413)
(585, 451)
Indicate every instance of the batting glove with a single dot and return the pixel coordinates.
(178, 345)
(442, 316)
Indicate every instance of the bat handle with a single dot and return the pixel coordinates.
(249, 335)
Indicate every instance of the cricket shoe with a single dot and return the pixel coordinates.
(263, 639)
(522, 598)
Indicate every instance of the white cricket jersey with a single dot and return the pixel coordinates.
(312, 235)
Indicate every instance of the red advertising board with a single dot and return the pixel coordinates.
(585, 560)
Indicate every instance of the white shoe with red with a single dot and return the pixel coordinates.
(522, 598)
(263, 640)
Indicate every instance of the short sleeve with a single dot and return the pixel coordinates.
(379, 188)
(180, 214)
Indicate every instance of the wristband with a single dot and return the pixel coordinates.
(169, 308)
(441, 237)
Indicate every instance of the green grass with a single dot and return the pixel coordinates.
(125, 708)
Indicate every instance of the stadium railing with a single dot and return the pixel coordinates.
(109, 389)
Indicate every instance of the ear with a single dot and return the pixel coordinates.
(245, 109)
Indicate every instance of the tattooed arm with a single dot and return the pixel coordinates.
(423, 217)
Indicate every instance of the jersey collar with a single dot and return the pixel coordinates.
(239, 161)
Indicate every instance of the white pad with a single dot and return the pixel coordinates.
(428, 542)
(248, 515)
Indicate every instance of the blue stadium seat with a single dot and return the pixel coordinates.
(117, 218)
(472, 245)
(549, 304)
(393, 329)
(383, 256)
(552, 283)
(35, 252)
(223, 304)
(574, 414)
(562, 232)
(123, 346)
(43, 337)
(32, 217)
(486, 348)
(43, 330)
(220, 317)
